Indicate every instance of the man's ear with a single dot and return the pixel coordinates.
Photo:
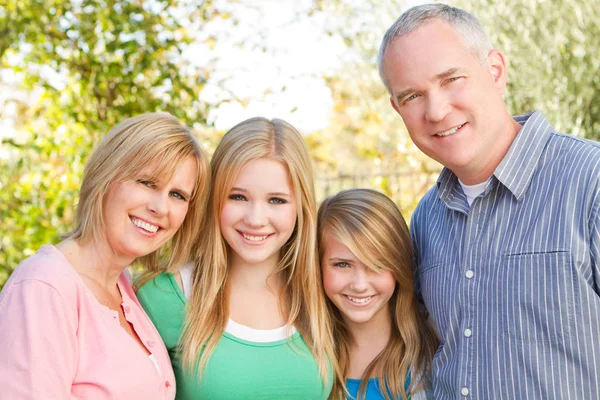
(496, 63)
(393, 103)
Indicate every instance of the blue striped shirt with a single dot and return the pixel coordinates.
(513, 282)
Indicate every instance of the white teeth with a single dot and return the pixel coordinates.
(144, 225)
(359, 300)
(254, 238)
(450, 131)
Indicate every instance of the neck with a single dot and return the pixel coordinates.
(367, 341)
(373, 334)
(482, 173)
(255, 276)
(93, 261)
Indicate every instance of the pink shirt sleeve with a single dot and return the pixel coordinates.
(37, 351)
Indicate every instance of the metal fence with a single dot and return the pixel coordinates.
(405, 187)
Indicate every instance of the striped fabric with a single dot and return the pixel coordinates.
(513, 283)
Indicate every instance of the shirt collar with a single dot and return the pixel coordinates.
(520, 162)
(518, 165)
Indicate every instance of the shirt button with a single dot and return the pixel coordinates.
(150, 343)
(127, 309)
(468, 333)
(167, 384)
(469, 274)
(464, 391)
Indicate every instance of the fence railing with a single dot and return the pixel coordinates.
(405, 187)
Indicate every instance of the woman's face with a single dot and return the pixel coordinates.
(259, 213)
(361, 294)
(141, 215)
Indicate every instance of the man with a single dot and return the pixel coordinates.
(507, 244)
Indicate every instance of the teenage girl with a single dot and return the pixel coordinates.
(248, 318)
(384, 347)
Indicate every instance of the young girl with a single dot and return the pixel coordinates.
(384, 348)
(251, 321)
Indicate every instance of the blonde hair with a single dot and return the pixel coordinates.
(152, 138)
(372, 227)
(208, 307)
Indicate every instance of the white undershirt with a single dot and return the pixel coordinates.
(233, 328)
(472, 191)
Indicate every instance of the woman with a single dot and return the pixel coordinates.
(384, 346)
(70, 322)
(250, 322)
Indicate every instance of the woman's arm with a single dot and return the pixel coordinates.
(38, 349)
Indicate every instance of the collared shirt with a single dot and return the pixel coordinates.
(513, 282)
(58, 342)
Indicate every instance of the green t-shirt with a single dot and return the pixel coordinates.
(238, 369)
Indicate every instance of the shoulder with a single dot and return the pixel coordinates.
(432, 195)
(425, 206)
(44, 288)
(46, 267)
(579, 151)
(573, 163)
(160, 295)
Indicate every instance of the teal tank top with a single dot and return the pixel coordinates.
(237, 369)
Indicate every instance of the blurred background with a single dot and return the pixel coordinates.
(70, 70)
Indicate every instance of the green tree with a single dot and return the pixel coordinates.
(81, 67)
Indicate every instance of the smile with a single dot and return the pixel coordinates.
(144, 225)
(253, 238)
(359, 300)
(450, 131)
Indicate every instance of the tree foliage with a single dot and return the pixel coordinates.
(80, 67)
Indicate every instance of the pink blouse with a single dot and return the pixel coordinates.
(58, 342)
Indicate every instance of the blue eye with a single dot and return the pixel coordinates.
(277, 200)
(178, 195)
(146, 183)
(237, 197)
(341, 264)
(411, 97)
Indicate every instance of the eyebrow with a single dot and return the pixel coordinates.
(280, 194)
(447, 73)
(438, 77)
(339, 259)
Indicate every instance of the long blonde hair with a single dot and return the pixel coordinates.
(372, 227)
(127, 149)
(208, 307)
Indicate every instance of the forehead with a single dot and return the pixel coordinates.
(264, 174)
(335, 248)
(423, 54)
(179, 172)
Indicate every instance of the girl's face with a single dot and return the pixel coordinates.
(259, 214)
(361, 294)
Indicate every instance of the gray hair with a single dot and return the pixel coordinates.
(465, 24)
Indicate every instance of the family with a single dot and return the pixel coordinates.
(252, 291)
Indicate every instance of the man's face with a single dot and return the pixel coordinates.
(451, 104)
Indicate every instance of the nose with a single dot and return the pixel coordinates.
(360, 280)
(438, 107)
(255, 215)
(158, 204)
